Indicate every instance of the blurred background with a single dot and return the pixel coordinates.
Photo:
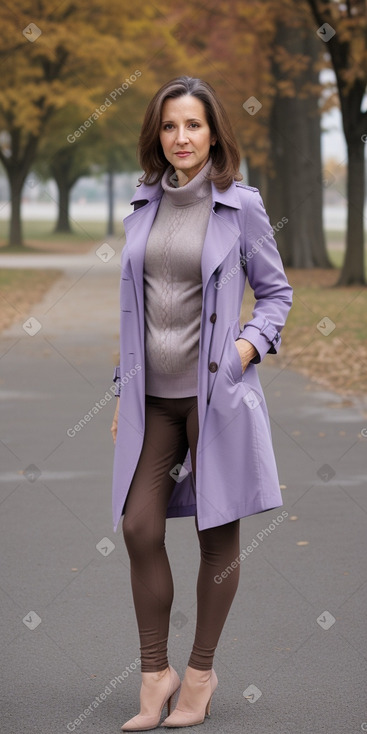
(77, 77)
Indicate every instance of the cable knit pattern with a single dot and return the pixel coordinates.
(167, 292)
(173, 286)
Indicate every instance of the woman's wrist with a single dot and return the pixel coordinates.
(247, 352)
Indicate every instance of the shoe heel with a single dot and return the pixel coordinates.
(208, 705)
(169, 704)
(170, 700)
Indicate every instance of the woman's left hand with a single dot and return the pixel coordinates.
(247, 352)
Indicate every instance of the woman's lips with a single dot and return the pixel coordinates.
(183, 154)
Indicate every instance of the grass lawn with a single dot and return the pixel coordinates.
(337, 359)
(335, 354)
(40, 237)
(19, 290)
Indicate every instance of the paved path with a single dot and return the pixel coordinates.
(99, 255)
(295, 641)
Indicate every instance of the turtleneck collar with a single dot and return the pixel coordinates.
(198, 188)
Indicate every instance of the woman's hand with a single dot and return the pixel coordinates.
(247, 352)
(115, 420)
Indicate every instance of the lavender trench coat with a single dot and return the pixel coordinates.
(236, 472)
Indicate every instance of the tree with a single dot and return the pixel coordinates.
(116, 147)
(63, 162)
(117, 159)
(72, 54)
(343, 27)
(108, 148)
(266, 51)
(295, 183)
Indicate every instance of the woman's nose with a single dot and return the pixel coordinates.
(181, 136)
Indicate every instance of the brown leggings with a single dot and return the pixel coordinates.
(171, 427)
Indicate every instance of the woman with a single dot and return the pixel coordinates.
(191, 427)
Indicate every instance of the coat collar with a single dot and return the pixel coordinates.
(148, 193)
(221, 234)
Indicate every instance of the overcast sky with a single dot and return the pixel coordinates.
(332, 137)
(333, 140)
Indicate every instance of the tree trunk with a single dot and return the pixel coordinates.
(351, 95)
(64, 188)
(319, 252)
(110, 202)
(353, 267)
(16, 181)
(296, 190)
(257, 178)
(276, 199)
(17, 167)
(60, 168)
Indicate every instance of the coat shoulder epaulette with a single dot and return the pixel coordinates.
(244, 186)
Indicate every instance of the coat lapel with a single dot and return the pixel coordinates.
(220, 237)
(137, 227)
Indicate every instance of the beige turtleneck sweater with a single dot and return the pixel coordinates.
(173, 286)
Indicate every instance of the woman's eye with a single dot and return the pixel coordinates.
(169, 125)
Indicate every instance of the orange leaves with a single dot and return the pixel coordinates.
(286, 88)
(72, 54)
(291, 64)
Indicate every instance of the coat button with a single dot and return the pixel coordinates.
(213, 318)
(213, 366)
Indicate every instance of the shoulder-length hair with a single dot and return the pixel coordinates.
(225, 153)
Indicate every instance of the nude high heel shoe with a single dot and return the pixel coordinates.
(194, 700)
(154, 695)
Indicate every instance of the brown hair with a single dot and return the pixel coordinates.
(225, 153)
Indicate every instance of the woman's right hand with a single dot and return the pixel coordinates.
(115, 420)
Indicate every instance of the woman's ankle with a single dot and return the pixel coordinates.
(198, 674)
(155, 674)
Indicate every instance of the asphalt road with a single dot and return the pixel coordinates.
(292, 658)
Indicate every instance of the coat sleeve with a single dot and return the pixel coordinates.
(267, 278)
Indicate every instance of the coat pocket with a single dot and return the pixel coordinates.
(234, 359)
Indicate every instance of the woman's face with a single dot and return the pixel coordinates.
(185, 135)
